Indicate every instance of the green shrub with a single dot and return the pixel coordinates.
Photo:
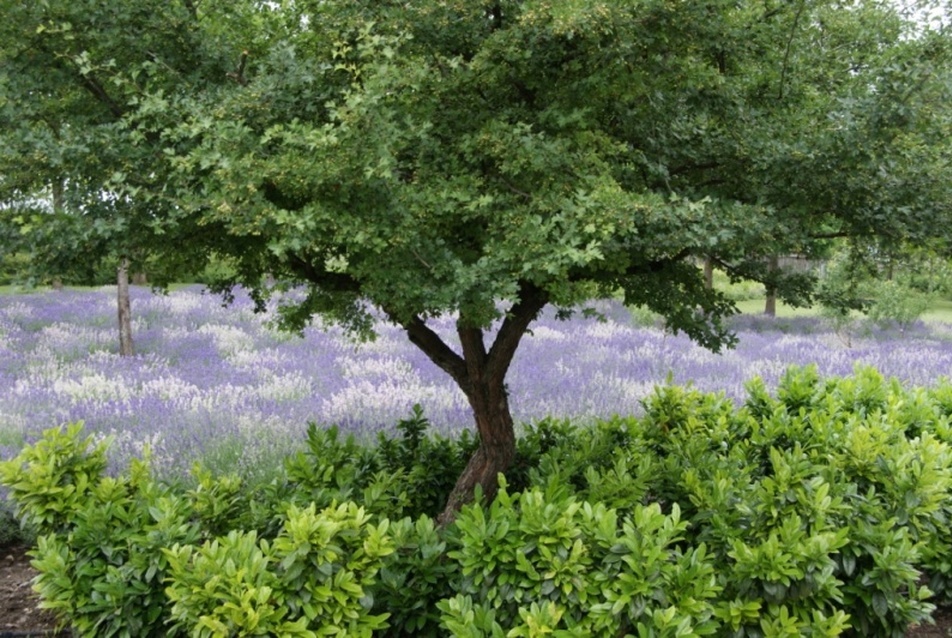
(738, 289)
(105, 577)
(50, 480)
(225, 588)
(897, 304)
(313, 579)
(407, 475)
(10, 531)
(544, 558)
(429, 464)
(415, 578)
(795, 494)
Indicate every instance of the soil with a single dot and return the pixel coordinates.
(20, 614)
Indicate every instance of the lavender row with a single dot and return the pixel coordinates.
(214, 381)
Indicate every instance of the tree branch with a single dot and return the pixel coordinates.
(786, 53)
(238, 75)
(95, 87)
(423, 337)
(335, 281)
(474, 351)
(532, 300)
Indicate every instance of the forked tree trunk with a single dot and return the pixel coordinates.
(125, 308)
(481, 374)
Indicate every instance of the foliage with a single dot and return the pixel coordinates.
(890, 290)
(311, 580)
(51, 480)
(544, 559)
(407, 473)
(415, 578)
(899, 304)
(416, 453)
(99, 549)
(225, 588)
(10, 531)
(740, 290)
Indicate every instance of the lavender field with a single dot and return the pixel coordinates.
(220, 384)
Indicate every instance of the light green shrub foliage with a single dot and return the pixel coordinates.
(50, 479)
(225, 588)
(827, 499)
(314, 579)
(897, 303)
(327, 562)
(873, 441)
(738, 289)
(542, 559)
(99, 551)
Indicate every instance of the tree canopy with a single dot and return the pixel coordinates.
(486, 158)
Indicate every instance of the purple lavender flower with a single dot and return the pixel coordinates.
(219, 383)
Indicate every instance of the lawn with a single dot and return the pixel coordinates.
(220, 384)
(939, 311)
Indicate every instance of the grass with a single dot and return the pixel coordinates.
(941, 310)
(756, 307)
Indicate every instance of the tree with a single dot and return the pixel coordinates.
(488, 159)
(66, 150)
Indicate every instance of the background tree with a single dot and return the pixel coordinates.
(71, 165)
(487, 159)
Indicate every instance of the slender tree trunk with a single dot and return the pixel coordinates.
(770, 306)
(59, 205)
(708, 273)
(125, 308)
(59, 197)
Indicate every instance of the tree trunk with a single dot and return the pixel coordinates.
(59, 205)
(481, 375)
(708, 273)
(770, 306)
(125, 308)
(59, 197)
(496, 451)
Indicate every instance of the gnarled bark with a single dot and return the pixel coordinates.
(495, 454)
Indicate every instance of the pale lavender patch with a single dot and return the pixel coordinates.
(213, 380)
